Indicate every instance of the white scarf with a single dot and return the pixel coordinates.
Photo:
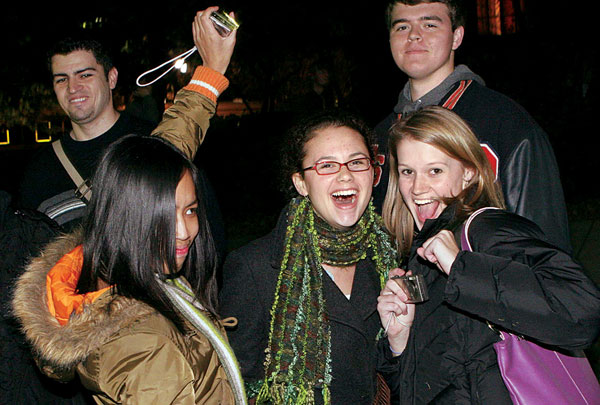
(182, 297)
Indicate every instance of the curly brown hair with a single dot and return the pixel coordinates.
(293, 151)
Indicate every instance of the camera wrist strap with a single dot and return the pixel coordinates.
(177, 59)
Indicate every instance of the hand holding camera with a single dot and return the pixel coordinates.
(223, 22)
(214, 36)
(413, 286)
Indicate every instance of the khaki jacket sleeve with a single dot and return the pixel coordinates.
(145, 369)
(185, 123)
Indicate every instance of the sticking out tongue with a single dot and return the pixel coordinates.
(427, 211)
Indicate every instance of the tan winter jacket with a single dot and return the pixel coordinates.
(122, 349)
(185, 123)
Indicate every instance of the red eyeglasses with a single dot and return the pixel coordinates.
(331, 167)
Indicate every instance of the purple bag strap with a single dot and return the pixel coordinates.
(464, 236)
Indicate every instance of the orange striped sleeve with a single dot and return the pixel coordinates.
(208, 82)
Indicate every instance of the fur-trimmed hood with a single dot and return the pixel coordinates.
(59, 349)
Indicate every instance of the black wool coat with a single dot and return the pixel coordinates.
(249, 282)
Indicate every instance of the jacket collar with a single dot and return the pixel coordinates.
(60, 348)
(446, 220)
(406, 105)
(278, 236)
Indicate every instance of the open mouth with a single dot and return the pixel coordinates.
(344, 198)
(426, 209)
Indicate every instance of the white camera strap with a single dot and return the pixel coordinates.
(178, 60)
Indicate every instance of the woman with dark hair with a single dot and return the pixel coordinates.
(129, 302)
(305, 294)
(441, 351)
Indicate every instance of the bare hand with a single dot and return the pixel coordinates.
(214, 49)
(441, 250)
(395, 313)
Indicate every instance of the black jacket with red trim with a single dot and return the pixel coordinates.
(527, 167)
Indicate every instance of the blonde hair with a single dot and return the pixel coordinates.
(446, 131)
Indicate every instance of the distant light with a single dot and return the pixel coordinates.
(38, 139)
(183, 68)
(95, 22)
(7, 141)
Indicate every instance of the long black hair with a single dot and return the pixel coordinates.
(130, 230)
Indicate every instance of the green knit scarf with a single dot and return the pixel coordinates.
(299, 351)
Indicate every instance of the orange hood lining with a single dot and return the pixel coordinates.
(61, 287)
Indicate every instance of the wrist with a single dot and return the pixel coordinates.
(397, 343)
(208, 82)
(395, 353)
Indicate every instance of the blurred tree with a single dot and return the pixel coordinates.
(35, 104)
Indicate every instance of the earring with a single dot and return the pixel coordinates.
(466, 181)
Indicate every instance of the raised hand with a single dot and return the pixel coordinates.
(395, 313)
(441, 250)
(215, 50)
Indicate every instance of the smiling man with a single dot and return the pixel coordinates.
(83, 89)
(84, 78)
(424, 36)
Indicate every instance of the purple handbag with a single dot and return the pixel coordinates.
(535, 375)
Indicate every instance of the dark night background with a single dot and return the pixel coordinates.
(548, 67)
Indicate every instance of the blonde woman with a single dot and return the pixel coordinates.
(441, 351)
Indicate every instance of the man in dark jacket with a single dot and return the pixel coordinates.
(423, 40)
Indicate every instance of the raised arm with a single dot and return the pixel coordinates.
(185, 123)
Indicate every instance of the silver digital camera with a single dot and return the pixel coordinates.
(414, 287)
(223, 23)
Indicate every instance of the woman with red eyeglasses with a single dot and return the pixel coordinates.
(305, 294)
